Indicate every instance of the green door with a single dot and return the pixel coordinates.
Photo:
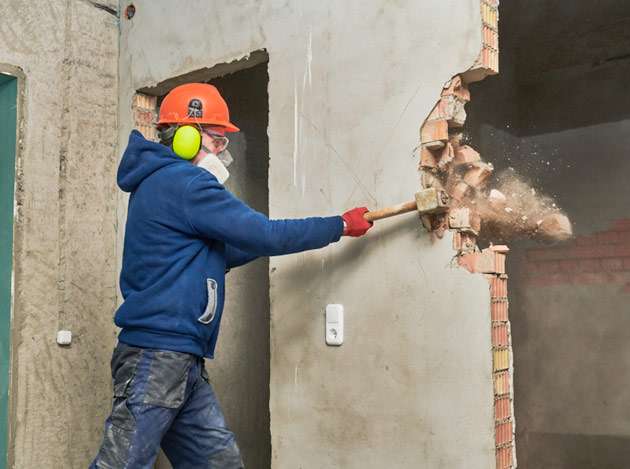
(8, 119)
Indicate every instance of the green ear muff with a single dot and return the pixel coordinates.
(186, 142)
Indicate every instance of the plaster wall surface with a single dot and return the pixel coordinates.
(65, 227)
(349, 85)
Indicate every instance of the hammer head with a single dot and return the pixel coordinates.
(432, 200)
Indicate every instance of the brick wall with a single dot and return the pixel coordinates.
(144, 115)
(441, 155)
(491, 263)
(601, 258)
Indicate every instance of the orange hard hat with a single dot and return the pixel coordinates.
(196, 103)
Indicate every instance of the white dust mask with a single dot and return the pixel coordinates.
(214, 166)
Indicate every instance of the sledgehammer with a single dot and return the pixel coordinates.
(427, 201)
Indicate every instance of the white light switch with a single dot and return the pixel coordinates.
(334, 324)
(64, 337)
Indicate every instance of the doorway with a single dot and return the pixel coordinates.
(8, 129)
(559, 114)
(240, 371)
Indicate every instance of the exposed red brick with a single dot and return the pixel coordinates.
(498, 286)
(568, 265)
(585, 240)
(459, 217)
(502, 383)
(626, 263)
(457, 88)
(434, 134)
(465, 155)
(464, 242)
(485, 262)
(475, 222)
(502, 408)
(499, 310)
(440, 111)
(590, 265)
(608, 237)
(549, 280)
(478, 174)
(503, 433)
(549, 267)
(626, 288)
(429, 158)
(622, 225)
(614, 264)
(459, 191)
(596, 251)
(445, 156)
(500, 335)
(505, 459)
(589, 278)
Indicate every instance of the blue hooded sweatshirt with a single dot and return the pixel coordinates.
(183, 231)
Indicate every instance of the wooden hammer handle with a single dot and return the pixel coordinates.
(391, 211)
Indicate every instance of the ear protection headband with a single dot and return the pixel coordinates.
(186, 140)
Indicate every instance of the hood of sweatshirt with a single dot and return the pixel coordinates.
(141, 159)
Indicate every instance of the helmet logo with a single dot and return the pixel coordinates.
(195, 108)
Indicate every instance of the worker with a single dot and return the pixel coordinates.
(184, 231)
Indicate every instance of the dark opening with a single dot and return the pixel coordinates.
(559, 113)
(240, 371)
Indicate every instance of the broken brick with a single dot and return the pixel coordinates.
(434, 134)
(452, 109)
(459, 191)
(478, 174)
(484, 262)
(459, 218)
(456, 87)
(475, 221)
(464, 242)
(449, 108)
(446, 156)
(428, 158)
(428, 180)
(466, 155)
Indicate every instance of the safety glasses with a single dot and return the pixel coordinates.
(220, 141)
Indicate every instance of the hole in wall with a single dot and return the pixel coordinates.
(560, 116)
(130, 11)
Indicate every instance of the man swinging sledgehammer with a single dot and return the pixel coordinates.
(184, 231)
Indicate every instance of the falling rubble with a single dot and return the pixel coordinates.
(499, 207)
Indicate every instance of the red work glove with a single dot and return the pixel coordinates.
(355, 224)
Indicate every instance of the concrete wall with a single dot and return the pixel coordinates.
(64, 251)
(349, 85)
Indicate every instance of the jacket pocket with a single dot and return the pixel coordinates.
(211, 308)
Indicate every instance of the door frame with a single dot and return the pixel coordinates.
(8, 413)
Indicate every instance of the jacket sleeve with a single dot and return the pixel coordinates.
(214, 213)
(235, 257)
